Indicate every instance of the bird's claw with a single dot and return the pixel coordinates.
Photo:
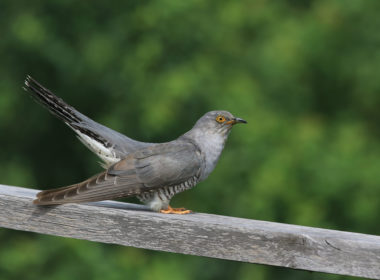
(179, 211)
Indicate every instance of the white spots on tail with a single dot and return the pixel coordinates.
(107, 155)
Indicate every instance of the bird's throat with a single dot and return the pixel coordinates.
(211, 147)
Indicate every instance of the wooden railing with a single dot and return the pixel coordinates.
(198, 234)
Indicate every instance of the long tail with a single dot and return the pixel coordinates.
(108, 144)
(68, 114)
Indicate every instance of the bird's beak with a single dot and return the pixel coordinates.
(235, 121)
(239, 120)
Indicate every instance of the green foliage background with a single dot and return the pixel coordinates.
(304, 74)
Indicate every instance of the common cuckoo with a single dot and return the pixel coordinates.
(153, 172)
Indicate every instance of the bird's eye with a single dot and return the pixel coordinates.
(220, 119)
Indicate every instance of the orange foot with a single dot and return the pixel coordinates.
(180, 211)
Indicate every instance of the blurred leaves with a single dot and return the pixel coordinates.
(302, 73)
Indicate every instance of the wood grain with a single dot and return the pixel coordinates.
(198, 234)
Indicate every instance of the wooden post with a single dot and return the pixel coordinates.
(198, 234)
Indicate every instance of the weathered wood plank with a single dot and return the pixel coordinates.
(196, 234)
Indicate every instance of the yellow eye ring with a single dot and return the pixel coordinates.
(220, 119)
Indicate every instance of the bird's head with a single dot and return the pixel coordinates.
(217, 122)
(210, 133)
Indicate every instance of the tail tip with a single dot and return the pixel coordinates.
(27, 81)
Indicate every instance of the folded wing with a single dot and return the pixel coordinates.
(146, 170)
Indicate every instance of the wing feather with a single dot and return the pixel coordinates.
(148, 169)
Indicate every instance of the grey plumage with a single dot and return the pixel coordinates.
(152, 172)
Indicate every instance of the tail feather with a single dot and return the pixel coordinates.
(102, 186)
(62, 110)
(108, 144)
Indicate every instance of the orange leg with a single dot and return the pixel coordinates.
(180, 211)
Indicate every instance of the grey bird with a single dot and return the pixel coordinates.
(153, 172)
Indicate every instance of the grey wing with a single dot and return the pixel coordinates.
(166, 164)
(145, 170)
